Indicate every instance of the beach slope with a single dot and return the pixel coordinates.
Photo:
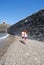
(29, 52)
(4, 43)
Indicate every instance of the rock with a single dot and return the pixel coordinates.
(34, 24)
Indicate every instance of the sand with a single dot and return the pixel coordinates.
(5, 44)
(19, 53)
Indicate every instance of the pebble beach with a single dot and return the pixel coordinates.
(29, 52)
(4, 44)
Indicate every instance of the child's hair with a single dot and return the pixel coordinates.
(25, 31)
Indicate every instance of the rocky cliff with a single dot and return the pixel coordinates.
(34, 24)
(3, 28)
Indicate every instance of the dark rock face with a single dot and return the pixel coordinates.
(34, 24)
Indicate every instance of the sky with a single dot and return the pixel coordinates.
(12, 11)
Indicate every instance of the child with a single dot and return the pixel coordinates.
(24, 34)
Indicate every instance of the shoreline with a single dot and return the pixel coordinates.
(4, 36)
(6, 42)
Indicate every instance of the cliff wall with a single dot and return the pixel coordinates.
(3, 28)
(34, 24)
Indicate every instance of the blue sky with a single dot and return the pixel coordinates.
(13, 11)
